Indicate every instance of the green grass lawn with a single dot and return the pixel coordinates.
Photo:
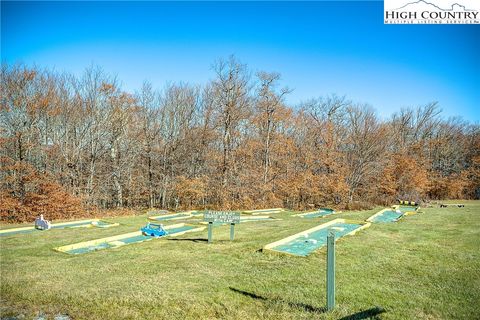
(426, 266)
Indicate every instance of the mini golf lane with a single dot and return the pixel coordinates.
(124, 239)
(257, 218)
(174, 216)
(304, 243)
(72, 224)
(386, 215)
(171, 217)
(406, 209)
(260, 211)
(316, 214)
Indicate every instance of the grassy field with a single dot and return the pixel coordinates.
(427, 266)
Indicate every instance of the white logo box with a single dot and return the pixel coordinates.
(431, 11)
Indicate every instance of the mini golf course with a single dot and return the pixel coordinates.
(304, 243)
(323, 212)
(389, 265)
(124, 239)
(72, 224)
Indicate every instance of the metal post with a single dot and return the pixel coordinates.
(232, 231)
(210, 227)
(330, 270)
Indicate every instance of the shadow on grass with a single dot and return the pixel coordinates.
(192, 240)
(366, 314)
(297, 305)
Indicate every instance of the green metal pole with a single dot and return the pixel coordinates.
(210, 227)
(330, 270)
(232, 231)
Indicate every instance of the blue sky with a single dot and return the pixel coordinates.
(319, 47)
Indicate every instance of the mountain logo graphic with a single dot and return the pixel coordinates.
(425, 4)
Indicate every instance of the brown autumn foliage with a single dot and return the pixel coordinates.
(51, 200)
(80, 146)
(191, 191)
(26, 193)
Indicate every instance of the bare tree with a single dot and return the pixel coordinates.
(232, 106)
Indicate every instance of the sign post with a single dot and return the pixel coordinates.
(232, 231)
(330, 270)
(210, 227)
(222, 217)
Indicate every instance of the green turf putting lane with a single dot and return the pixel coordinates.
(14, 231)
(257, 218)
(87, 223)
(173, 216)
(180, 229)
(405, 209)
(304, 243)
(86, 249)
(386, 215)
(160, 218)
(316, 214)
(124, 239)
(264, 211)
(72, 224)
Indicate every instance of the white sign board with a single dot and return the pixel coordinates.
(222, 217)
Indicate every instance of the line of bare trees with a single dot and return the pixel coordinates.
(68, 143)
